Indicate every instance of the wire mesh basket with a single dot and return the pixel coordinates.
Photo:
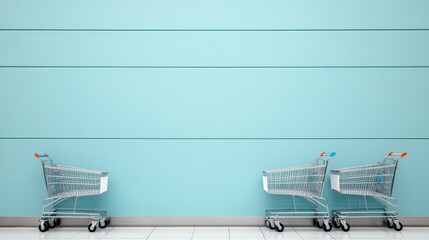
(63, 181)
(369, 180)
(304, 180)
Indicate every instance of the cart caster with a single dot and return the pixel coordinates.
(267, 223)
(279, 226)
(317, 223)
(389, 223)
(398, 226)
(53, 223)
(327, 227)
(43, 226)
(345, 226)
(336, 223)
(103, 223)
(92, 227)
(270, 224)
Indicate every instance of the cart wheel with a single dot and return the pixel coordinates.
(102, 224)
(57, 221)
(280, 227)
(389, 223)
(92, 227)
(327, 227)
(319, 224)
(345, 227)
(398, 226)
(43, 226)
(267, 224)
(52, 223)
(315, 221)
(271, 226)
(335, 224)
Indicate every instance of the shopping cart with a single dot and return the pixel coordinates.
(64, 183)
(374, 181)
(302, 181)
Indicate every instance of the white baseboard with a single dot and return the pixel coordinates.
(203, 221)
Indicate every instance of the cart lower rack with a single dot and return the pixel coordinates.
(305, 182)
(370, 181)
(69, 183)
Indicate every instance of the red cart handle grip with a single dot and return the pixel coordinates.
(40, 155)
(398, 154)
(331, 154)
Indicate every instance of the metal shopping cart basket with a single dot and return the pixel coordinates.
(374, 181)
(302, 181)
(63, 183)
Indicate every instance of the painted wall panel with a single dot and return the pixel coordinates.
(223, 14)
(194, 177)
(214, 103)
(362, 48)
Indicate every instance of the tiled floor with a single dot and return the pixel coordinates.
(213, 233)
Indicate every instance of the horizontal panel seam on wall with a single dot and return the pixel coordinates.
(214, 29)
(207, 66)
(210, 138)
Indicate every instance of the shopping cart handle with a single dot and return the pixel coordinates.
(39, 156)
(398, 154)
(331, 154)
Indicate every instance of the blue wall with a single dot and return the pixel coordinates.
(186, 102)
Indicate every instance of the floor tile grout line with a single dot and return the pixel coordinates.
(387, 231)
(75, 234)
(153, 229)
(192, 237)
(260, 228)
(103, 237)
(329, 233)
(229, 234)
(382, 229)
(298, 233)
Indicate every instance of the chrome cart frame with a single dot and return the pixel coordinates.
(64, 183)
(306, 182)
(373, 181)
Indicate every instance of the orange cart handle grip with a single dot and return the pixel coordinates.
(398, 154)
